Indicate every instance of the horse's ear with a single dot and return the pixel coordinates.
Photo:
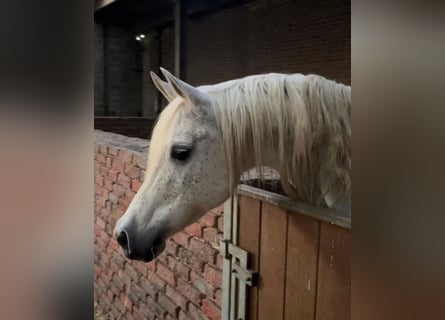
(188, 92)
(164, 87)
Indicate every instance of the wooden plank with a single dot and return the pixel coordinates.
(324, 214)
(334, 273)
(249, 240)
(272, 262)
(301, 267)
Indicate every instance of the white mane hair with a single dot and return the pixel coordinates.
(306, 119)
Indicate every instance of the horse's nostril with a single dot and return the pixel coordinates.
(123, 241)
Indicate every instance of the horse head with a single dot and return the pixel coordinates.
(186, 157)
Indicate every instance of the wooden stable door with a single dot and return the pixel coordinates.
(295, 260)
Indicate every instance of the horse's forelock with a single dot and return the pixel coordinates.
(162, 133)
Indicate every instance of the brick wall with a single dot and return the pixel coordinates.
(184, 282)
(118, 86)
(305, 36)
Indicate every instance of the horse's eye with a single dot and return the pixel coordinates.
(180, 153)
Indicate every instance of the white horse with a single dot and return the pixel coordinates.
(208, 136)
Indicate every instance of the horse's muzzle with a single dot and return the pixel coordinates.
(138, 250)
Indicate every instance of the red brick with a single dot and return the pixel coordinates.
(176, 297)
(116, 312)
(124, 203)
(129, 194)
(104, 236)
(218, 263)
(112, 174)
(194, 229)
(171, 307)
(131, 271)
(101, 244)
(201, 284)
(99, 180)
(181, 271)
(127, 303)
(108, 184)
(96, 167)
(113, 244)
(108, 161)
(98, 190)
(118, 190)
(195, 312)
(210, 309)
(171, 248)
(203, 250)
(119, 305)
(132, 171)
(143, 313)
(114, 267)
(110, 295)
(190, 259)
(100, 158)
(217, 297)
(184, 316)
(117, 165)
(157, 309)
(101, 284)
(135, 185)
(103, 171)
(100, 223)
(123, 180)
(135, 293)
(211, 235)
(210, 219)
(189, 291)
(140, 267)
(125, 156)
(182, 238)
(219, 211)
(221, 224)
(97, 270)
(166, 274)
(149, 288)
(124, 277)
(118, 283)
(156, 280)
(213, 276)
(97, 230)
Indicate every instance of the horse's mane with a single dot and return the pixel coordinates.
(307, 119)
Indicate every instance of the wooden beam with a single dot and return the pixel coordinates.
(180, 14)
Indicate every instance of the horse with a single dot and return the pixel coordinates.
(207, 136)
